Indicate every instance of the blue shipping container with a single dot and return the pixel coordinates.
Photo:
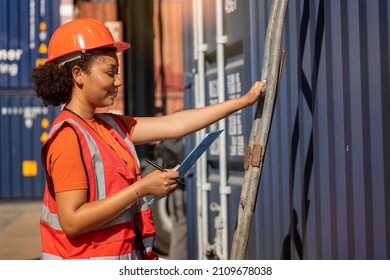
(324, 191)
(25, 30)
(24, 125)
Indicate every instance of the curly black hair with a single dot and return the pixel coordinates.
(54, 84)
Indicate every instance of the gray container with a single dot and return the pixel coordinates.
(324, 191)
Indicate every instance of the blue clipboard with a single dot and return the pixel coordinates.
(193, 156)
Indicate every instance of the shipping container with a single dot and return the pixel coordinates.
(24, 126)
(325, 185)
(25, 30)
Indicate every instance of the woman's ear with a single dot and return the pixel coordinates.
(77, 74)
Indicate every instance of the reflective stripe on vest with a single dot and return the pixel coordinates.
(52, 219)
(131, 256)
(114, 124)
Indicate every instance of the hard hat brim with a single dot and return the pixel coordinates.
(121, 46)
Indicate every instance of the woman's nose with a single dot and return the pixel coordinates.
(118, 81)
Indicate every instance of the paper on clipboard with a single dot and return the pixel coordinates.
(193, 156)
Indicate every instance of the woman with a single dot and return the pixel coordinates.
(94, 203)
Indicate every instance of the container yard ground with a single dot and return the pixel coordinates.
(19, 230)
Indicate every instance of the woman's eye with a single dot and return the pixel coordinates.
(113, 73)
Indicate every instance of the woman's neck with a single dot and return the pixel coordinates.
(85, 112)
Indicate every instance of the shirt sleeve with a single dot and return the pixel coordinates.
(64, 162)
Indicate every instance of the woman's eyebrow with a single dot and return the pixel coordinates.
(116, 66)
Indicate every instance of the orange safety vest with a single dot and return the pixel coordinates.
(107, 173)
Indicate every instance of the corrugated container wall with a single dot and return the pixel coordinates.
(25, 30)
(325, 187)
(24, 125)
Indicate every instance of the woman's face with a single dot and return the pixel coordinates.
(100, 87)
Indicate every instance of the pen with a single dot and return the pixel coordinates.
(155, 165)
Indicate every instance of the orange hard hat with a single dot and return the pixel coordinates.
(81, 35)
